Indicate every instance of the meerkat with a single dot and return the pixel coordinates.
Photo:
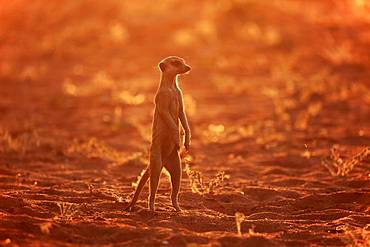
(165, 144)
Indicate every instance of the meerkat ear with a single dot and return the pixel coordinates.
(162, 66)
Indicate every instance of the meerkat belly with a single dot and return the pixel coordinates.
(162, 136)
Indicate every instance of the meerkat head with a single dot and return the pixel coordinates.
(174, 65)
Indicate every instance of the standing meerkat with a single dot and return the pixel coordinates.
(165, 145)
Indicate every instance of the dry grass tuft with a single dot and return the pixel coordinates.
(302, 100)
(197, 184)
(264, 133)
(338, 167)
(18, 143)
(117, 198)
(67, 210)
(96, 149)
(356, 236)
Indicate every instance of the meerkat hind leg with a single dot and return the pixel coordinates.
(155, 172)
(173, 166)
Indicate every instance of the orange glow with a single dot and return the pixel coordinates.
(278, 103)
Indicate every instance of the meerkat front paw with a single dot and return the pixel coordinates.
(187, 142)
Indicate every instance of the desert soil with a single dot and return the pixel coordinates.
(274, 87)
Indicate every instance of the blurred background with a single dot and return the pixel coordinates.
(276, 87)
(57, 55)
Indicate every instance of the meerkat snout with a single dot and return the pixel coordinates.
(187, 68)
(174, 65)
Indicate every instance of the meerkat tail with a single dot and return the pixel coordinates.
(139, 188)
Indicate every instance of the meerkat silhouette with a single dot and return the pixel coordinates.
(165, 145)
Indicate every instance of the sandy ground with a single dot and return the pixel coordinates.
(266, 106)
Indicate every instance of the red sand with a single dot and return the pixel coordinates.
(247, 99)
